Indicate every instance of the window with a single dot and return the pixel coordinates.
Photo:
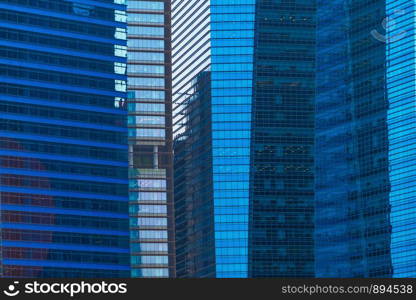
(120, 85)
(153, 95)
(148, 183)
(148, 196)
(146, 107)
(146, 5)
(146, 56)
(146, 120)
(149, 234)
(120, 34)
(120, 16)
(147, 44)
(150, 272)
(149, 260)
(150, 247)
(147, 82)
(147, 133)
(146, 18)
(143, 222)
(148, 209)
(120, 68)
(120, 51)
(146, 31)
(146, 69)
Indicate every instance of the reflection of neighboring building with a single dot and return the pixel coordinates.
(150, 145)
(63, 161)
(244, 140)
(193, 185)
(352, 172)
(365, 139)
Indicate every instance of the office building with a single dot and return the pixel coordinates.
(353, 181)
(243, 115)
(150, 141)
(63, 139)
(400, 82)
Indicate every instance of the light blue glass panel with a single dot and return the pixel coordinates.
(232, 25)
(401, 92)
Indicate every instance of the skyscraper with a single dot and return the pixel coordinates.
(63, 139)
(243, 95)
(365, 139)
(400, 81)
(150, 141)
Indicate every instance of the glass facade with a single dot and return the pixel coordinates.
(191, 59)
(150, 142)
(353, 232)
(291, 121)
(63, 139)
(243, 163)
(232, 45)
(401, 75)
(282, 163)
(365, 149)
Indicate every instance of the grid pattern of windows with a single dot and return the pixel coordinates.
(352, 172)
(282, 202)
(194, 217)
(243, 116)
(149, 123)
(63, 135)
(401, 57)
(232, 44)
